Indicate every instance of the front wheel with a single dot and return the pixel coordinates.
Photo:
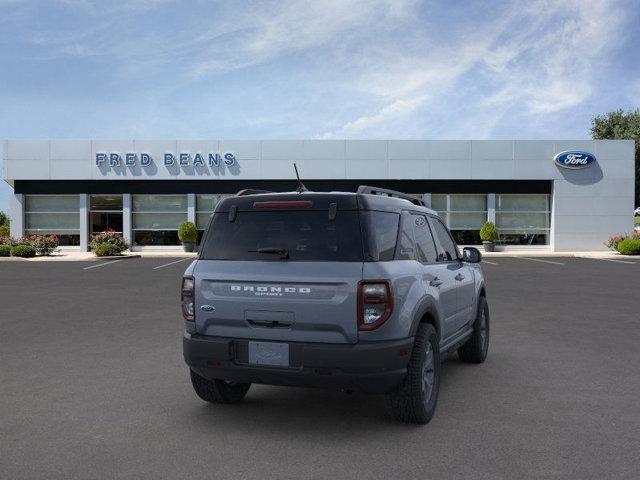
(475, 349)
(414, 401)
(218, 391)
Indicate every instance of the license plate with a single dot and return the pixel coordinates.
(269, 353)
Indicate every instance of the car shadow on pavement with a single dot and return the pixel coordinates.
(308, 411)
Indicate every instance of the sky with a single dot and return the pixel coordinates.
(286, 69)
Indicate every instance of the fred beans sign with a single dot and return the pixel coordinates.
(169, 159)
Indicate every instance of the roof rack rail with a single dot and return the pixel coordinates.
(251, 191)
(366, 189)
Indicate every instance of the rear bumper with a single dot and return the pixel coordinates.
(374, 367)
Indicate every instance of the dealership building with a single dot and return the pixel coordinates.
(547, 194)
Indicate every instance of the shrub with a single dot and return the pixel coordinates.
(187, 232)
(44, 244)
(4, 219)
(108, 237)
(108, 250)
(489, 232)
(4, 231)
(613, 241)
(5, 250)
(629, 246)
(23, 250)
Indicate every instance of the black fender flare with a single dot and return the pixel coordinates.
(426, 306)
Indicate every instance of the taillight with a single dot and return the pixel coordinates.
(187, 295)
(375, 303)
(284, 204)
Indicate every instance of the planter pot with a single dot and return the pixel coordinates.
(489, 246)
(188, 246)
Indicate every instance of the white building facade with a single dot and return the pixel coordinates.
(552, 195)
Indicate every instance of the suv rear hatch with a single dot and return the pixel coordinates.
(281, 267)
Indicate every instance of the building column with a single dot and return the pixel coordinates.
(17, 215)
(491, 207)
(191, 207)
(426, 198)
(126, 219)
(84, 222)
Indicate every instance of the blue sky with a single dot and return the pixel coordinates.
(322, 69)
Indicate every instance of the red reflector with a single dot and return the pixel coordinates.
(284, 204)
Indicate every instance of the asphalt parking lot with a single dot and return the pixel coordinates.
(92, 385)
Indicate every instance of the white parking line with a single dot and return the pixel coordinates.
(612, 260)
(102, 264)
(487, 261)
(540, 260)
(172, 263)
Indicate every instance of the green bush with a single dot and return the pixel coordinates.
(613, 241)
(4, 219)
(629, 246)
(5, 250)
(108, 250)
(23, 250)
(44, 244)
(4, 231)
(489, 232)
(187, 232)
(108, 237)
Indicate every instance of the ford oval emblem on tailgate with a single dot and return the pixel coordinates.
(207, 308)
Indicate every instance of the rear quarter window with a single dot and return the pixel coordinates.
(306, 235)
(380, 231)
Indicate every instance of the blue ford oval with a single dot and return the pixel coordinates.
(574, 159)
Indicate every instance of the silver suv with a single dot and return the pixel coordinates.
(356, 291)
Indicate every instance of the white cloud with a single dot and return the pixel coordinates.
(541, 58)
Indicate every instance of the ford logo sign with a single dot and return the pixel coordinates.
(574, 159)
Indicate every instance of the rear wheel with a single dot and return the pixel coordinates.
(476, 348)
(415, 399)
(218, 391)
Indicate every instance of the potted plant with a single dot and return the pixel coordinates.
(188, 235)
(489, 236)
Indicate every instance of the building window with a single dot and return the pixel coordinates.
(523, 219)
(106, 213)
(205, 205)
(54, 215)
(156, 219)
(464, 215)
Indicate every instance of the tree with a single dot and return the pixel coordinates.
(620, 125)
(4, 218)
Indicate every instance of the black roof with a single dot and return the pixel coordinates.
(321, 201)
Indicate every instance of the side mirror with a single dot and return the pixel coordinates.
(471, 255)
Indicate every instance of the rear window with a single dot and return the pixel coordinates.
(304, 235)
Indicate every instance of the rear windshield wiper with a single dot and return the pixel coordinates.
(283, 252)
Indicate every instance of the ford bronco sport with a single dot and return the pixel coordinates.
(357, 291)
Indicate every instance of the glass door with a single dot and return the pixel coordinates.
(106, 213)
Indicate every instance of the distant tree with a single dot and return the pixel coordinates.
(620, 125)
(4, 218)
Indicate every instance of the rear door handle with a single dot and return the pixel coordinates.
(436, 282)
(459, 277)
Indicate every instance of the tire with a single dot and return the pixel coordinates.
(218, 391)
(475, 349)
(414, 401)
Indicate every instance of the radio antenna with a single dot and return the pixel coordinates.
(301, 188)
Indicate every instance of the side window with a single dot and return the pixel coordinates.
(447, 250)
(426, 249)
(406, 245)
(380, 233)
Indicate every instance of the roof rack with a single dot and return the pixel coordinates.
(366, 189)
(251, 191)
